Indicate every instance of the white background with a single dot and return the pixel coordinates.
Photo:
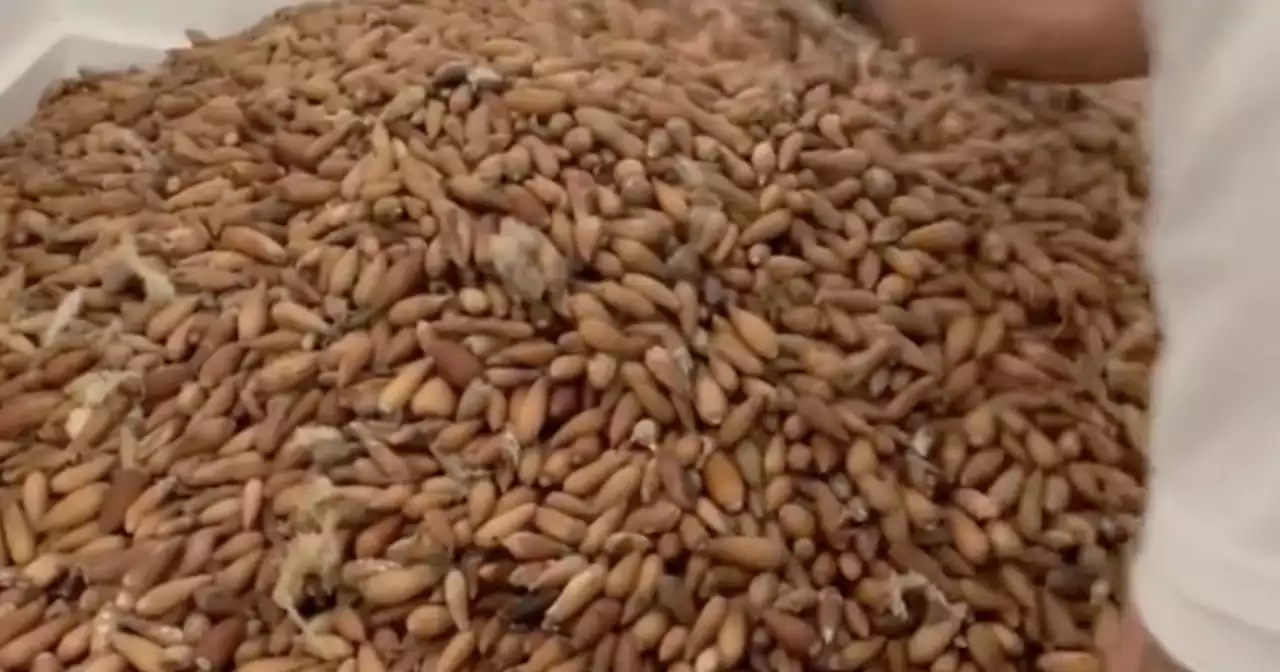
(42, 40)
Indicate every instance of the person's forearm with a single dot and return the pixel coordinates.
(1050, 40)
(1075, 41)
(1131, 648)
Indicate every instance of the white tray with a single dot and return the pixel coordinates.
(44, 40)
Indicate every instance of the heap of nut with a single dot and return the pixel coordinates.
(476, 335)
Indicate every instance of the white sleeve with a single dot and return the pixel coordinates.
(1207, 579)
(1207, 576)
(1194, 633)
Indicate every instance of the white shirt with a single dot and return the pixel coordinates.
(1207, 581)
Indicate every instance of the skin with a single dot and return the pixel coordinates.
(1081, 41)
(1077, 42)
(1135, 650)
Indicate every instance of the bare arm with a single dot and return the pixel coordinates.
(1049, 40)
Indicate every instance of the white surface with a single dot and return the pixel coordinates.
(44, 40)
